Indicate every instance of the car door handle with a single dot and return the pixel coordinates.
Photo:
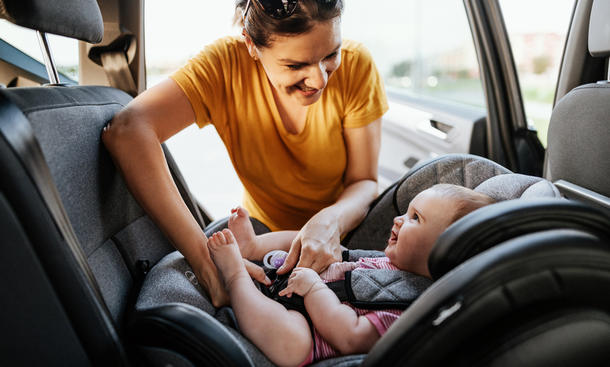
(435, 128)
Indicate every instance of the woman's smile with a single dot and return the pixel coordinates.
(306, 91)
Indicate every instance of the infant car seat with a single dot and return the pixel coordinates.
(170, 284)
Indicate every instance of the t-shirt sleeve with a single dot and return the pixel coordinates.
(365, 94)
(203, 78)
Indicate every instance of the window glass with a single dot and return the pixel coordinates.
(174, 34)
(405, 37)
(537, 43)
(63, 49)
(419, 49)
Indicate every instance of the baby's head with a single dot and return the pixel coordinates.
(428, 215)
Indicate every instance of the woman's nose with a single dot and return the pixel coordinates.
(318, 77)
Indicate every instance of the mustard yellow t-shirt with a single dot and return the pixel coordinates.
(287, 177)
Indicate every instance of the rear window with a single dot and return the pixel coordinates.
(64, 51)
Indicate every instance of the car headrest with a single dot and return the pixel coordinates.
(578, 138)
(493, 224)
(599, 29)
(80, 19)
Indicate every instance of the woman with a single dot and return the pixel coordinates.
(300, 114)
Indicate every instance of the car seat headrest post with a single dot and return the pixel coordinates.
(48, 57)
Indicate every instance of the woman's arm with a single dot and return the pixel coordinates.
(134, 139)
(338, 324)
(318, 243)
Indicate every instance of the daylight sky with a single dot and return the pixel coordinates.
(176, 32)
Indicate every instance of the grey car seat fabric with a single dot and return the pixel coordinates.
(116, 236)
(466, 170)
(172, 280)
(582, 159)
(70, 18)
(113, 241)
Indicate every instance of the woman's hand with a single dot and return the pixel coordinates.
(316, 246)
(257, 273)
(302, 281)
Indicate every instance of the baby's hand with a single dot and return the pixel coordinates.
(301, 281)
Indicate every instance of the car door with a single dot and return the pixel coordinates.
(452, 83)
(425, 52)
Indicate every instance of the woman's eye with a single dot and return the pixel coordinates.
(294, 67)
(331, 56)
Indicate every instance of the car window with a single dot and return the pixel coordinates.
(64, 50)
(414, 58)
(174, 34)
(419, 50)
(537, 44)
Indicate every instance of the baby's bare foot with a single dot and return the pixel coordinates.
(240, 225)
(225, 254)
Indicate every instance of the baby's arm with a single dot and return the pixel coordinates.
(337, 323)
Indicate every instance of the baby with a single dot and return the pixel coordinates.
(339, 329)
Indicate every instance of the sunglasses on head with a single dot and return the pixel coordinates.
(281, 9)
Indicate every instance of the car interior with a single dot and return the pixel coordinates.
(88, 279)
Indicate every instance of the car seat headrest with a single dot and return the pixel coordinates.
(476, 232)
(517, 186)
(80, 19)
(488, 226)
(599, 29)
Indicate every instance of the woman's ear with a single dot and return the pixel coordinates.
(249, 44)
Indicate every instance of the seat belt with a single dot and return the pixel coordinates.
(115, 59)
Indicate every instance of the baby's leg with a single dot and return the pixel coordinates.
(251, 246)
(282, 335)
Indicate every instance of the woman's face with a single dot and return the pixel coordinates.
(299, 66)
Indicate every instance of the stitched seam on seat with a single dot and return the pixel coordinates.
(111, 237)
(68, 105)
(380, 286)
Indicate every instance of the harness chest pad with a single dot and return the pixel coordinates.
(380, 288)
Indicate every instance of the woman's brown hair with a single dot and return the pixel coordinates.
(261, 27)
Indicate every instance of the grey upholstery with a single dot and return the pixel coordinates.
(466, 170)
(80, 19)
(517, 186)
(579, 136)
(374, 285)
(113, 231)
(171, 280)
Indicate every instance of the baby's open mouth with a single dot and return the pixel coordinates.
(393, 237)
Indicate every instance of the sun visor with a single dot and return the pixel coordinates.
(599, 29)
(80, 19)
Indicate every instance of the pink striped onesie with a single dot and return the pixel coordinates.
(380, 319)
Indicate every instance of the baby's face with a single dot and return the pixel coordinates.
(415, 232)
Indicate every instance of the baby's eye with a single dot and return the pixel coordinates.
(294, 67)
(415, 217)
